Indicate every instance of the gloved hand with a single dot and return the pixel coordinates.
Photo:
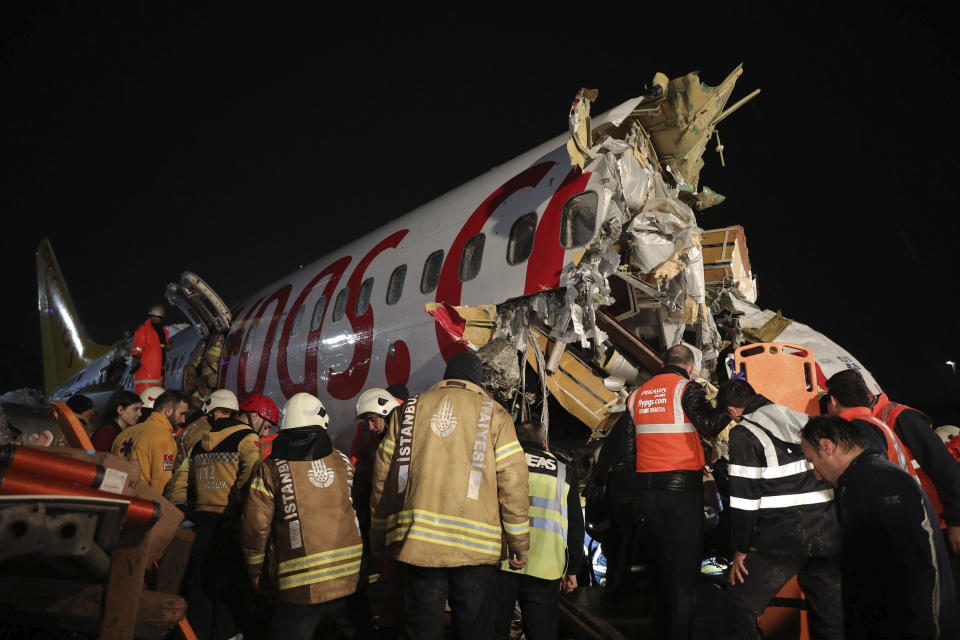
(135, 364)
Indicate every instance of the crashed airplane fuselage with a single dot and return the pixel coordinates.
(582, 257)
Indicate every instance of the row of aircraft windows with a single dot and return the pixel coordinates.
(577, 225)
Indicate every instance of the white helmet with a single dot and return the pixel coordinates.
(157, 310)
(304, 410)
(946, 432)
(220, 399)
(149, 396)
(376, 401)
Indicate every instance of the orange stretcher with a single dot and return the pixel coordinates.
(786, 374)
(783, 372)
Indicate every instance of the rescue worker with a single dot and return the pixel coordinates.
(220, 404)
(261, 413)
(556, 542)
(849, 398)
(122, 411)
(202, 374)
(147, 398)
(298, 529)
(210, 481)
(150, 344)
(896, 579)
(82, 407)
(783, 518)
(150, 444)
(448, 481)
(374, 410)
(670, 413)
(938, 472)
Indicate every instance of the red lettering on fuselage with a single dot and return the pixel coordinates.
(280, 297)
(312, 353)
(450, 287)
(345, 384)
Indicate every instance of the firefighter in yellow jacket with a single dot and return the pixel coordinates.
(449, 489)
(299, 530)
(150, 444)
(210, 480)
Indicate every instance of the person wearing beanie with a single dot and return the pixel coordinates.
(449, 480)
(298, 529)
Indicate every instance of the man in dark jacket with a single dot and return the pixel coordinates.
(665, 420)
(783, 520)
(896, 578)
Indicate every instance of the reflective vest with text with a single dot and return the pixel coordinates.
(549, 490)
(666, 439)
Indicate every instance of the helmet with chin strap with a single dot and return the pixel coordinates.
(376, 401)
(262, 406)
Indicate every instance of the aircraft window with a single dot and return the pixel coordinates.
(520, 245)
(471, 257)
(579, 220)
(431, 272)
(395, 286)
(340, 304)
(297, 318)
(363, 296)
(318, 310)
(278, 331)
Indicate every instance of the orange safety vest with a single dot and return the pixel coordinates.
(266, 444)
(888, 412)
(666, 439)
(897, 452)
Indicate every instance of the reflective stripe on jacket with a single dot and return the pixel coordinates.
(299, 529)
(218, 468)
(549, 492)
(450, 481)
(146, 344)
(666, 439)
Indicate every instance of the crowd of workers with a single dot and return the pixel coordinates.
(443, 501)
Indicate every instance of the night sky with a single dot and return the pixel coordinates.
(148, 139)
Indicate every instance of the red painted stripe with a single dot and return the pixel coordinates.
(449, 289)
(546, 262)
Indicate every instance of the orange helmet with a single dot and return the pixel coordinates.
(262, 406)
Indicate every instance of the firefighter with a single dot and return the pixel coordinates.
(669, 414)
(783, 518)
(147, 398)
(298, 528)
(449, 479)
(202, 374)
(220, 404)
(210, 480)
(374, 410)
(263, 416)
(150, 444)
(556, 542)
(150, 344)
(895, 576)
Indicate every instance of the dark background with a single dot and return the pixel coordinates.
(241, 142)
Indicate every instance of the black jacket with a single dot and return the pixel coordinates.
(777, 504)
(914, 430)
(897, 581)
(303, 443)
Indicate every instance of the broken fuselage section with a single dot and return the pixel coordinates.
(649, 277)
